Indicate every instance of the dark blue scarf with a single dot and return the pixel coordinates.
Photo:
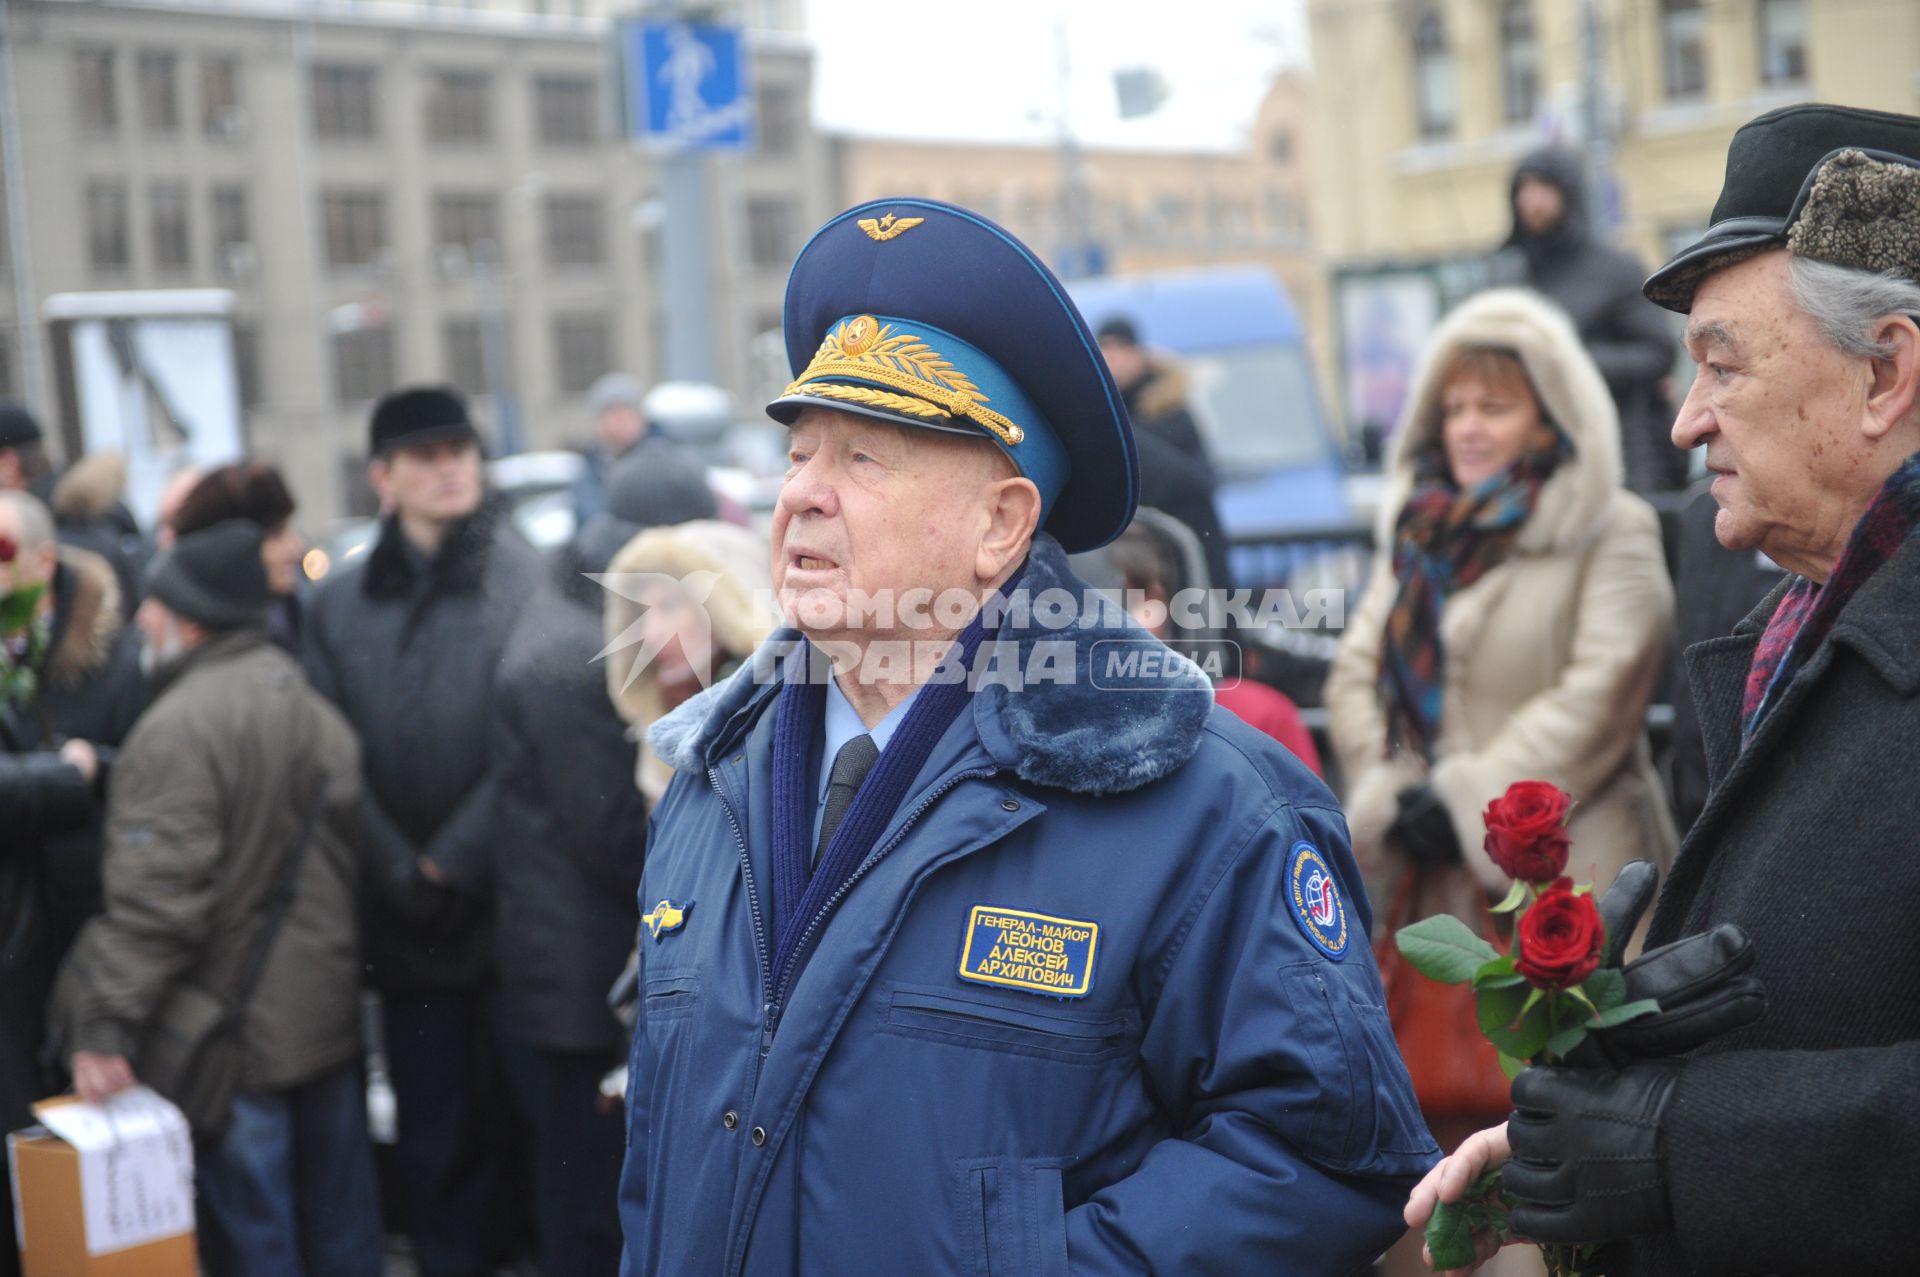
(797, 725)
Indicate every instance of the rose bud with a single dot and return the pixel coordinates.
(1526, 831)
(1561, 938)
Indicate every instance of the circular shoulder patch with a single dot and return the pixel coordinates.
(1313, 896)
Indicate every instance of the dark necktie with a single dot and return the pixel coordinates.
(850, 767)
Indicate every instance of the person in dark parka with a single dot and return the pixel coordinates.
(1176, 472)
(408, 642)
(88, 687)
(1554, 250)
(1782, 1141)
(572, 833)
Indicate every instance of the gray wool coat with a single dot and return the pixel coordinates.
(1791, 1144)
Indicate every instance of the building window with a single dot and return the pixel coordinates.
(159, 74)
(459, 107)
(466, 350)
(782, 118)
(220, 115)
(232, 233)
(362, 364)
(564, 110)
(1280, 146)
(1436, 96)
(1683, 48)
(97, 101)
(575, 231)
(1783, 41)
(109, 246)
(582, 351)
(1519, 63)
(8, 387)
(465, 220)
(356, 227)
(770, 238)
(172, 239)
(344, 108)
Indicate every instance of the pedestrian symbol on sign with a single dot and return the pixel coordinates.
(687, 85)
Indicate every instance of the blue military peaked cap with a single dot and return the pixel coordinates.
(927, 315)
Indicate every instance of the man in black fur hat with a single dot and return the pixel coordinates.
(407, 642)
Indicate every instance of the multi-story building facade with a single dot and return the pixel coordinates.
(1141, 209)
(383, 188)
(1423, 106)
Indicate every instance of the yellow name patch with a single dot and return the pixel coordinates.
(1033, 951)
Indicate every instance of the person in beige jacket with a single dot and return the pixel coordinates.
(1512, 628)
(1547, 659)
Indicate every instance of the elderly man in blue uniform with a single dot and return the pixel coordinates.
(1048, 970)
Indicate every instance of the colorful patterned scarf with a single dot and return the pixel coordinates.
(1446, 538)
(1806, 612)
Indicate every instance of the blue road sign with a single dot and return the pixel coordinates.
(687, 85)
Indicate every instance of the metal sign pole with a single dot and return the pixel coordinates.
(687, 267)
(19, 242)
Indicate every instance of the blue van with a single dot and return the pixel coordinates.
(1280, 467)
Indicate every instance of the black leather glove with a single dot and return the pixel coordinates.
(1587, 1164)
(1701, 982)
(1424, 830)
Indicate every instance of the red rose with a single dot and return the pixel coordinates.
(1561, 937)
(8, 550)
(1526, 831)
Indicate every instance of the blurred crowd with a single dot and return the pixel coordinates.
(232, 801)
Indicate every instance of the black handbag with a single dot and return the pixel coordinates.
(191, 1051)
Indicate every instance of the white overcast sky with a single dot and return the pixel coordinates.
(990, 69)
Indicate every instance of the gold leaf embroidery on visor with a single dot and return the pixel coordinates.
(864, 350)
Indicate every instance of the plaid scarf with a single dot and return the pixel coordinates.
(1807, 611)
(1445, 539)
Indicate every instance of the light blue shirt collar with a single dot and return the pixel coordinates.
(843, 724)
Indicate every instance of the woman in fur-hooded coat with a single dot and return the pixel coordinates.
(1547, 642)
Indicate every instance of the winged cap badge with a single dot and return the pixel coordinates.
(885, 228)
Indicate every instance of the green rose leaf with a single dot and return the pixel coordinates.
(1566, 1039)
(1450, 1236)
(1528, 1036)
(1510, 1066)
(1497, 973)
(1499, 1006)
(1444, 948)
(1606, 987)
(1626, 1011)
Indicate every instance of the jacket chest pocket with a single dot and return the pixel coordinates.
(671, 993)
(983, 1022)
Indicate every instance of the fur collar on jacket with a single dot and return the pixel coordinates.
(86, 618)
(1574, 503)
(459, 568)
(1079, 734)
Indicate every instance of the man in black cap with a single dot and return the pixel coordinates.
(1713, 1138)
(231, 865)
(1553, 249)
(407, 641)
(23, 454)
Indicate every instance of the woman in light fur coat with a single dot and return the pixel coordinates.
(1512, 628)
(705, 565)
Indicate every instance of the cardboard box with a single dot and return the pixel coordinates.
(105, 1190)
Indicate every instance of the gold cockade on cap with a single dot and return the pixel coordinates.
(864, 348)
(885, 228)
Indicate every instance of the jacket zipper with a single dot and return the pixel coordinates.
(778, 1004)
(770, 1014)
(759, 933)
